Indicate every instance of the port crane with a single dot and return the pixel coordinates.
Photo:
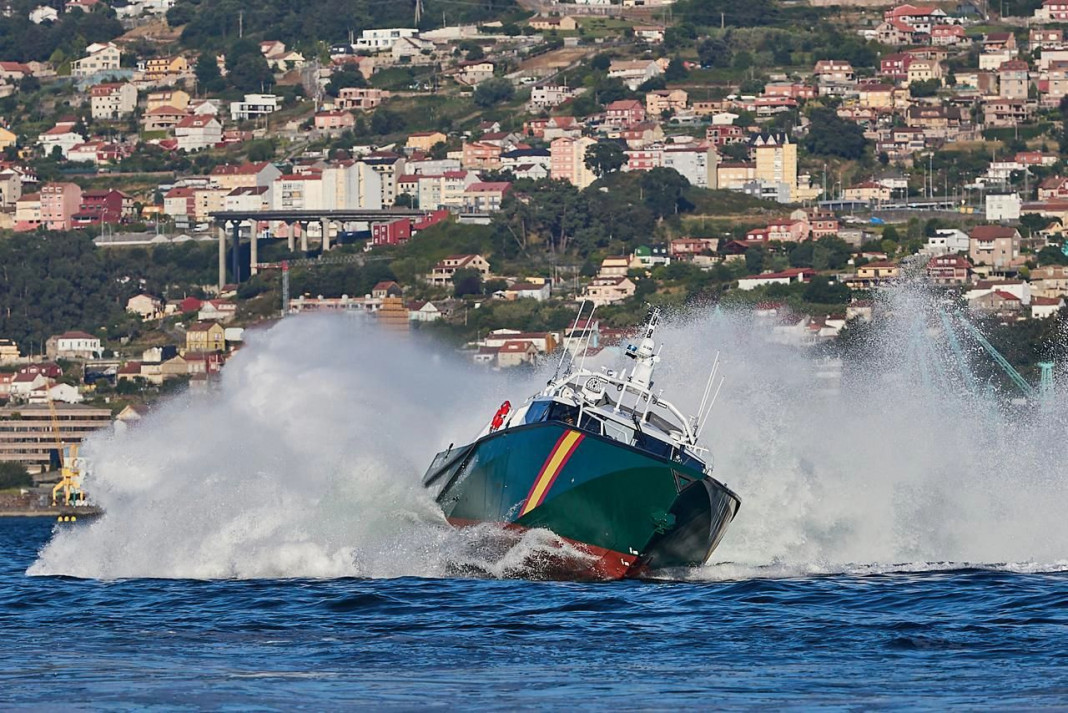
(70, 483)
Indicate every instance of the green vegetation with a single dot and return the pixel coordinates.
(14, 475)
(54, 281)
(59, 42)
(215, 23)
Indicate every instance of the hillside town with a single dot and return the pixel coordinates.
(477, 180)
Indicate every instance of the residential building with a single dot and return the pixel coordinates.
(197, 132)
(30, 437)
(175, 98)
(776, 162)
(1013, 79)
(634, 73)
(73, 345)
(443, 271)
(994, 245)
(382, 40)
(425, 140)
(205, 337)
(609, 290)
(697, 163)
(360, 98)
(163, 69)
(659, 101)
(99, 58)
(334, 120)
(473, 73)
(162, 119)
(624, 113)
(948, 269)
(549, 96)
(59, 203)
(62, 136)
(245, 175)
(253, 106)
(568, 161)
(485, 197)
(112, 101)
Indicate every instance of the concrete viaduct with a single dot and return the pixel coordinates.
(231, 221)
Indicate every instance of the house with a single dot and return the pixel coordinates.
(609, 290)
(28, 212)
(334, 120)
(833, 71)
(174, 98)
(360, 98)
(423, 311)
(205, 337)
(994, 245)
(485, 196)
(786, 277)
(634, 73)
(868, 192)
(162, 119)
(425, 140)
(112, 100)
(614, 266)
(217, 311)
(383, 39)
(1052, 11)
(527, 290)
(473, 73)
(104, 205)
(62, 136)
(549, 96)
(245, 175)
(481, 155)
(659, 101)
(73, 345)
(624, 113)
(387, 288)
(253, 106)
(442, 272)
(649, 33)
(164, 69)
(99, 57)
(1013, 80)
(564, 23)
(147, 306)
(997, 303)
(197, 132)
(948, 269)
(43, 13)
(947, 241)
(1044, 307)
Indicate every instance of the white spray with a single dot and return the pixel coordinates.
(306, 462)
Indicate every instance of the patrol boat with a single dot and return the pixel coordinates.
(603, 462)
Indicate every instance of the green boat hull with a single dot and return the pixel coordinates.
(631, 511)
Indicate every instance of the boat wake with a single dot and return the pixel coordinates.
(306, 461)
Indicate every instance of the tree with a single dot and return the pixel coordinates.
(466, 282)
(714, 52)
(830, 135)
(207, 73)
(14, 475)
(676, 70)
(663, 189)
(343, 79)
(494, 91)
(926, 88)
(822, 290)
(385, 121)
(605, 157)
(405, 200)
(249, 72)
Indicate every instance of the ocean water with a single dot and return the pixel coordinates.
(974, 638)
(901, 543)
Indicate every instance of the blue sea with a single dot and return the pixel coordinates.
(967, 638)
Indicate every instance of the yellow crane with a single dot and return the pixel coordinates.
(70, 483)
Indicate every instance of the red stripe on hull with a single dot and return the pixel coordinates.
(606, 564)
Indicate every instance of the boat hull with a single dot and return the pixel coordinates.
(628, 511)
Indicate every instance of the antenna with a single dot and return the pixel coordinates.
(589, 336)
(582, 306)
(418, 12)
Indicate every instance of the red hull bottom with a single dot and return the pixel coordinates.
(597, 563)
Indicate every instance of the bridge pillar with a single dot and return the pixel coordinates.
(303, 236)
(254, 251)
(291, 238)
(235, 253)
(221, 229)
(325, 223)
